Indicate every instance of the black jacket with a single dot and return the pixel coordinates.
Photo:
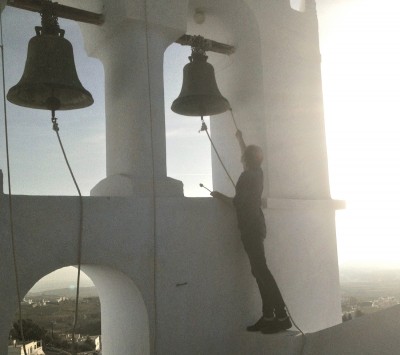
(247, 202)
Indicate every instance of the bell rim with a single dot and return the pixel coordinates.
(194, 113)
(15, 95)
(41, 86)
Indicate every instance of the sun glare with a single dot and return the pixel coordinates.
(360, 47)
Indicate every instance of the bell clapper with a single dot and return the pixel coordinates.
(205, 187)
(203, 125)
(54, 121)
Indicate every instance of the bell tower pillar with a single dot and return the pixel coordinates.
(131, 45)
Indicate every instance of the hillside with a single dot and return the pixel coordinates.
(65, 292)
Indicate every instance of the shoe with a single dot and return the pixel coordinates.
(271, 328)
(278, 325)
(284, 323)
(262, 323)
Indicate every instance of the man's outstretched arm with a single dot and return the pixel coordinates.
(242, 144)
(222, 197)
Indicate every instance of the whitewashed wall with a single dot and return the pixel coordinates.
(171, 272)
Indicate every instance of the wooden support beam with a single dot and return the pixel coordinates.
(67, 12)
(210, 45)
(72, 13)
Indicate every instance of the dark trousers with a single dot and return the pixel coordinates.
(272, 300)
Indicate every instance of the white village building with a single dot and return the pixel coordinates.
(32, 348)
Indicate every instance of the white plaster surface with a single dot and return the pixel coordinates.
(203, 293)
(372, 334)
(171, 271)
(125, 325)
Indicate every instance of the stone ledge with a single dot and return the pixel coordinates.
(303, 204)
(126, 185)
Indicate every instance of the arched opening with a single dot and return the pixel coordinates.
(48, 311)
(188, 150)
(107, 297)
(239, 81)
(190, 156)
(125, 322)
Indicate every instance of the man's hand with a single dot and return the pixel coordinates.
(221, 197)
(216, 194)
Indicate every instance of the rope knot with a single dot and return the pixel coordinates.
(55, 124)
(203, 127)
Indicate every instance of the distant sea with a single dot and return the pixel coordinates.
(65, 278)
(49, 285)
(65, 292)
(369, 274)
(60, 279)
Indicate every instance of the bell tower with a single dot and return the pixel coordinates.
(173, 273)
(273, 84)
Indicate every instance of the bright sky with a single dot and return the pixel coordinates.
(37, 165)
(360, 46)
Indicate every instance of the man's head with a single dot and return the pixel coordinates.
(252, 157)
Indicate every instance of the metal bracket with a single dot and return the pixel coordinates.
(200, 43)
(70, 13)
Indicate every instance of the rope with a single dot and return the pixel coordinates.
(10, 205)
(56, 129)
(153, 180)
(205, 128)
(303, 336)
(233, 119)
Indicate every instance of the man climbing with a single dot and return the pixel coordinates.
(251, 223)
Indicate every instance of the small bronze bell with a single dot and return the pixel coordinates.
(200, 95)
(50, 80)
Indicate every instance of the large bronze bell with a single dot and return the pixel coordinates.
(50, 80)
(200, 95)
